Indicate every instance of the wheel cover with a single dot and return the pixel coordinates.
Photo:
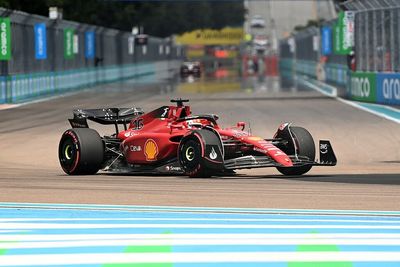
(190, 153)
(68, 152)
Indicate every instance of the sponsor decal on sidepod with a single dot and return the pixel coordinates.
(150, 150)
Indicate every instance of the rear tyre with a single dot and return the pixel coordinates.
(81, 151)
(304, 146)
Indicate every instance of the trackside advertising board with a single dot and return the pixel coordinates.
(344, 33)
(40, 41)
(5, 39)
(90, 44)
(225, 36)
(388, 88)
(382, 88)
(68, 43)
(363, 86)
(326, 40)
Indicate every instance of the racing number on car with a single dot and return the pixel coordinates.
(137, 124)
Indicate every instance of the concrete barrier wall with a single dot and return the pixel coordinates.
(372, 87)
(25, 87)
(382, 88)
(334, 74)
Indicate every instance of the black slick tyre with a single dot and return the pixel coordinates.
(81, 151)
(190, 154)
(304, 146)
(200, 154)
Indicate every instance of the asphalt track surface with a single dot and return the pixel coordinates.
(368, 149)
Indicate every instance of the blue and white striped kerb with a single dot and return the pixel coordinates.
(111, 235)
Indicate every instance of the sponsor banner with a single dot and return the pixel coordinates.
(316, 43)
(226, 36)
(131, 45)
(326, 41)
(5, 39)
(40, 41)
(336, 38)
(292, 44)
(348, 30)
(388, 88)
(344, 33)
(90, 44)
(363, 86)
(68, 43)
(75, 46)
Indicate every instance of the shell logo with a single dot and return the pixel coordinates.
(150, 150)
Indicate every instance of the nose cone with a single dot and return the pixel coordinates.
(284, 160)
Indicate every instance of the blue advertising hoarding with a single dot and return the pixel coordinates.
(388, 88)
(40, 41)
(326, 40)
(90, 45)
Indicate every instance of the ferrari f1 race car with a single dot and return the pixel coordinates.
(172, 140)
(190, 68)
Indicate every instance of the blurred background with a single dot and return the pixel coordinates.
(49, 47)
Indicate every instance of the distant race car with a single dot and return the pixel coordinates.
(172, 140)
(190, 68)
(257, 22)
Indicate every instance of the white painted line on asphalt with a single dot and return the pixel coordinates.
(213, 257)
(178, 209)
(379, 114)
(88, 237)
(11, 106)
(8, 106)
(317, 88)
(354, 103)
(199, 242)
(30, 226)
(11, 231)
(4, 220)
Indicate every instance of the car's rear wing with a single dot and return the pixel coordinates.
(104, 116)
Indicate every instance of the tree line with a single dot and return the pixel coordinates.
(158, 18)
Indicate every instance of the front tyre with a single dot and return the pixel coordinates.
(191, 159)
(303, 146)
(200, 154)
(81, 151)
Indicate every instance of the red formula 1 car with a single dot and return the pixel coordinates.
(172, 140)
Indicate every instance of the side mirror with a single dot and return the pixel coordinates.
(241, 124)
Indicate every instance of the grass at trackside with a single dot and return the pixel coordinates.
(144, 249)
(318, 248)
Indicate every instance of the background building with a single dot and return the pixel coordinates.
(282, 16)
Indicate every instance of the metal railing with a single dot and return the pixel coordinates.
(111, 46)
(300, 54)
(115, 56)
(377, 40)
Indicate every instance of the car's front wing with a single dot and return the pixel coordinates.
(326, 158)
